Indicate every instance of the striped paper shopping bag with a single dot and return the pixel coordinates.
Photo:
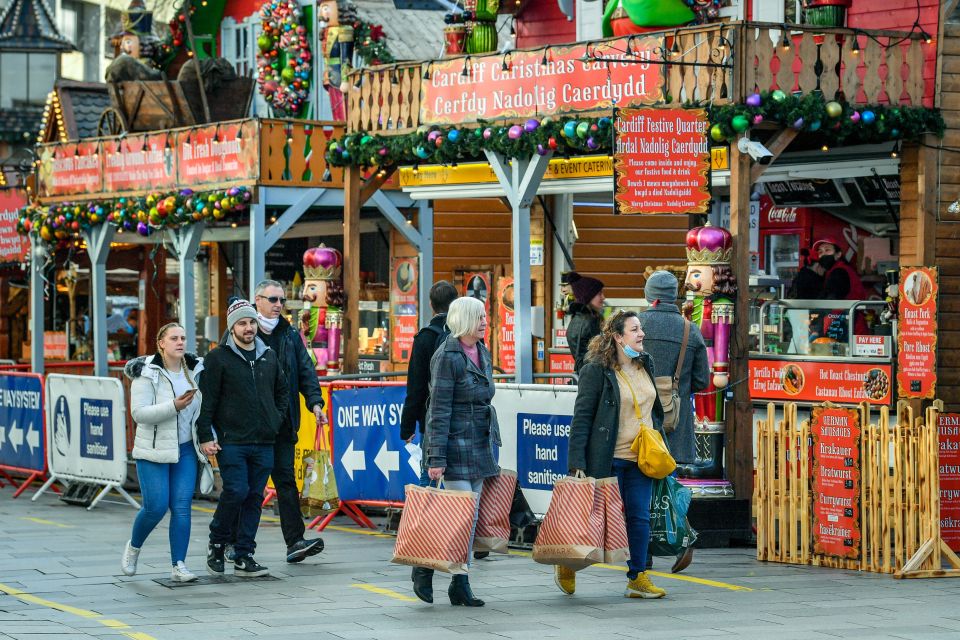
(435, 529)
(571, 533)
(616, 548)
(493, 521)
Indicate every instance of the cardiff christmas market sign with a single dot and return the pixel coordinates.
(557, 80)
(661, 160)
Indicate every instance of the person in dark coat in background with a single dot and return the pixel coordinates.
(663, 325)
(462, 429)
(425, 344)
(586, 316)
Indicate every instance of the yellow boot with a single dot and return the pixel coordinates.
(641, 587)
(566, 579)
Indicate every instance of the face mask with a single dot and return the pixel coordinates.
(629, 351)
(827, 261)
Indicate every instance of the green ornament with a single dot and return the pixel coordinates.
(739, 123)
(265, 42)
(834, 109)
(716, 132)
(365, 139)
(288, 75)
(583, 129)
(778, 96)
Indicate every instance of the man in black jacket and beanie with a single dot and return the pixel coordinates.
(245, 396)
(425, 343)
(284, 339)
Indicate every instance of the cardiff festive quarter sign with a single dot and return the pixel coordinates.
(661, 161)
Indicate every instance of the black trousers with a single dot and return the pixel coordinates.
(288, 497)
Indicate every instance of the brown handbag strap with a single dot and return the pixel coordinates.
(683, 352)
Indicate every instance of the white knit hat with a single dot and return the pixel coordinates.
(239, 310)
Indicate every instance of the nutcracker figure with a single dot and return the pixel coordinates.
(711, 289)
(336, 44)
(323, 299)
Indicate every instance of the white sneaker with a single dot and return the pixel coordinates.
(180, 573)
(128, 564)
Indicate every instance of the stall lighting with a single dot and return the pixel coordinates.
(894, 154)
(426, 72)
(233, 225)
(273, 219)
(785, 45)
(824, 148)
(855, 47)
(544, 60)
(675, 49)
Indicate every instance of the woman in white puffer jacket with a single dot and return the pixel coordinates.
(165, 404)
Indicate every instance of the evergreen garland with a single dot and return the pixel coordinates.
(570, 136)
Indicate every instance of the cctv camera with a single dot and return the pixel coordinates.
(759, 153)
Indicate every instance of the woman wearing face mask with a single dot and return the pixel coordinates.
(616, 385)
(840, 280)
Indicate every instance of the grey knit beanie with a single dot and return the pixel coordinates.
(238, 310)
(662, 286)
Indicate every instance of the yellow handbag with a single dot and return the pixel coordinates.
(653, 456)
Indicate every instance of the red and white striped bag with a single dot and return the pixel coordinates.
(435, 529)
(616, 547)
(572, 532)
(493, 521)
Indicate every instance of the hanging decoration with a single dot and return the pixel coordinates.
(175, 41)
(370, 44)
(589, 136)
(283, 57)
(142, 215)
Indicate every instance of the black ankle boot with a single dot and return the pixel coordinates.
(423, 583)
(461, 594)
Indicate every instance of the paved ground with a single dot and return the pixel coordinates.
(60, 578)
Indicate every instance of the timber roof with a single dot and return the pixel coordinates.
(29, 24)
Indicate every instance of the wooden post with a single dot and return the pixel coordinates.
(153, 276)
(739, 458)
(219, 292)
(351, 268)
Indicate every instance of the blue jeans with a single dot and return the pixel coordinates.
(166, 486)
(475, 485)
(244, 469)
(637, 491)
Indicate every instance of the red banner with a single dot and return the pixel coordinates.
(917, 339)
(139, 163)
(949, 429)
(70, 169)
(524, 84)
(661, 159)
(219, 153)
(13, 246)
(403, 308)
(506, 346)
(827, 381)
(836, 481)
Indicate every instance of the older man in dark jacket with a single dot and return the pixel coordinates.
(282, 337)
(663, 325)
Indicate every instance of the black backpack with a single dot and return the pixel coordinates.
(442, 334)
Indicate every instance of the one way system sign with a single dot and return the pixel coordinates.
(371, 462)
(21, 423)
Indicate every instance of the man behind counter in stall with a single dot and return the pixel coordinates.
(840, 282)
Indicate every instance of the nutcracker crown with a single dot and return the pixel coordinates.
(709, 245)
(322, 263)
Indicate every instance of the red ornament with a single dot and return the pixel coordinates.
(552, 143)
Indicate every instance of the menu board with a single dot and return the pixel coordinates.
(661, 160)
(505, 334)
(403, 307)
(917, 338)
(948, 426)
(836, 481)
(841, 382)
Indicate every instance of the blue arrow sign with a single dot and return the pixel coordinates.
(21, 423)
(371, 462)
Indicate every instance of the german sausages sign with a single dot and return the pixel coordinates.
(836, 481)
(540, 82)
(661, 159)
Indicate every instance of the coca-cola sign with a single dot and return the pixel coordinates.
(782, 215)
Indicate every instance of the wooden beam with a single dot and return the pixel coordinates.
(373, 184)
(351, 268)
(739, 416)
(777, 145)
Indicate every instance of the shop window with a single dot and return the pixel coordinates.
(238, 46)
(26, 78)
